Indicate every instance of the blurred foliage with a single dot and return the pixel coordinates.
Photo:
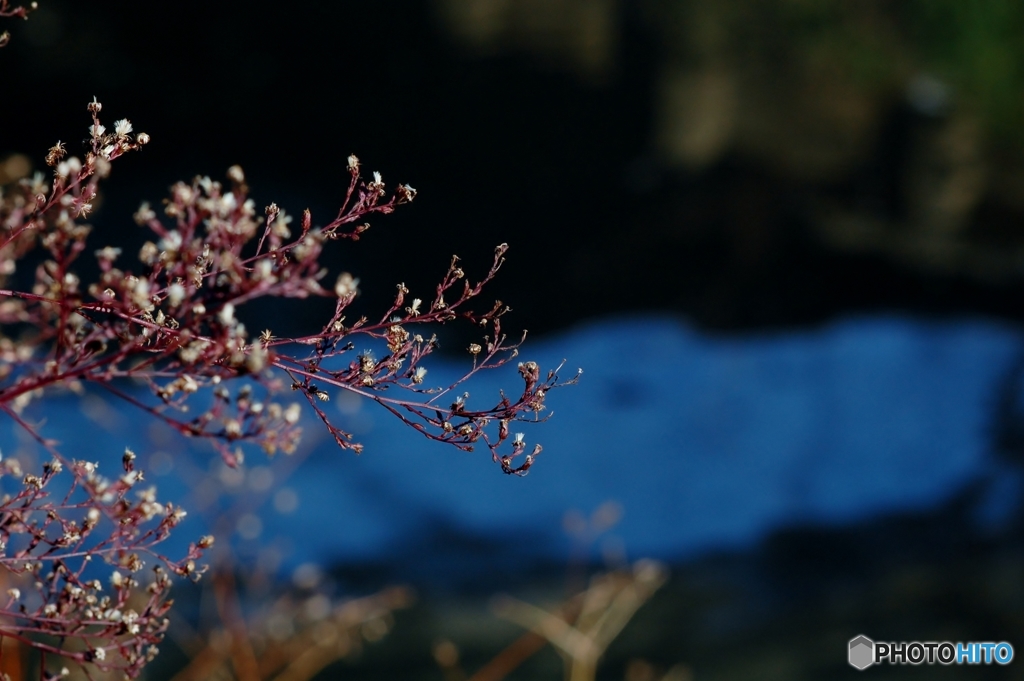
(974, 46)
(977, 46)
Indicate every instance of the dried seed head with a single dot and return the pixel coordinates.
(55, 154)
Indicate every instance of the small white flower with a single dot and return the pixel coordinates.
(102, 167)
(519, 439)
(256, 359)
(97, 130)
(233, 428)
(101, 654)
(346, 285)
(151, 509)
(108, 253)
(377, 178)
(264, 270)
(227, 203)
(417, 377)
(175, 294)
(140, 293)
(171, 242)
(149, 252)
(122, 127)
(227, 315)
(291, 414)
(281, 222)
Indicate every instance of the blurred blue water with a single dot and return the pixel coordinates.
(707, 442)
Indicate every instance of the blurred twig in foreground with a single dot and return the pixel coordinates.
(580, 629)
(318, 636)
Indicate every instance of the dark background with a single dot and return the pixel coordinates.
(747, 164)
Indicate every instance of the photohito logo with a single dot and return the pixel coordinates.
(863, 652)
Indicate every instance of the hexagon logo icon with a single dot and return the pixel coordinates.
(862, 652)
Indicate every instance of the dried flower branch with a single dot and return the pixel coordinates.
(54, 538)
(173, 325)
(169, 322)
